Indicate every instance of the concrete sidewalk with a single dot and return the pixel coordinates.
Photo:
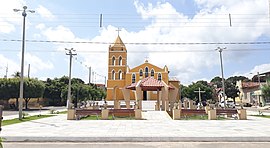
(32, 113)
(57, 128)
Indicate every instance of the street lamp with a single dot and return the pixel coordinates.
(222, 74)
(22, 62)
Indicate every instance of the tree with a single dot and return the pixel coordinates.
(80, 91)
(16, 74)
(217, 81)
(188, 91)
(230, 86)
(4, 85)
(9, 88)
(266, 89)
(33, 88)
(234, 79)
(53, 91)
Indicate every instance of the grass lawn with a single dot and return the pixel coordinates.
(109, 118)
(27, 118)
(263, 116)
(62, 112)
(202, 117)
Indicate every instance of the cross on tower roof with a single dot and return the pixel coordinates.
(118, 30)
(146, 58)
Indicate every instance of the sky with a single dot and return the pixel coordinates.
(182, 34)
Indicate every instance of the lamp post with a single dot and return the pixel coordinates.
(22, 62)
(222, 73)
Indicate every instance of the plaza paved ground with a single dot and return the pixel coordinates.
(136, 145)
(156, 128)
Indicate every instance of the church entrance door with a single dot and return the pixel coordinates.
(144, 95)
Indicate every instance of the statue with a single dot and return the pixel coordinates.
(175, 106)
(105, 105)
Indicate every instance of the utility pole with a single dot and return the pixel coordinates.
(105, 81)
(200, 98)
(93, 75)
(222, 73)
(22, 62)
(69, 78)
(6, 72)
(89, 75)
(28, 71)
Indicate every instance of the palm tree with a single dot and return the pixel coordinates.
(16, 74)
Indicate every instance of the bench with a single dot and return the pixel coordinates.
(122, 112)
(112, 106)
(228, 112)
(191, 112)
(86, 112)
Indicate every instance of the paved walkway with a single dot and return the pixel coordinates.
(57, 128)
(156, 115)
(32, 113)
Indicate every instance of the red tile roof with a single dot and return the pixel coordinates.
(148, 83)
(250, 84)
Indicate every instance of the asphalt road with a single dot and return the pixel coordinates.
(9, 112)
(140, 145)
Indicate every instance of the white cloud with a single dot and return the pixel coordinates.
(257, 69)
(45, 13)
(175, 27)
(41, 26)
(186, 65)
(59, 33)
(37, 65)
(6, 62)
(8, 16)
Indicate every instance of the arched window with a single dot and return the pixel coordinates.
(120, 75)
(120, 61)
(146, 72)
(113, 61)
(152, 72)
(141, 72)
(133, 78)
(113, 75)
(159, 76)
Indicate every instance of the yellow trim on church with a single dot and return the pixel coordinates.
(120, 75)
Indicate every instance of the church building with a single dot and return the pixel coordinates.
(143, 82)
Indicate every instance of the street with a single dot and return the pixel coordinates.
(138, 145)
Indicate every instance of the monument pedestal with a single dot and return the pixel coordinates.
(212, 114)
(105, 114)
(138, 114)
(71, 114)
(242, 114)
(176, 114)
(207, 108)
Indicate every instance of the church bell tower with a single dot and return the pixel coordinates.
(117, 66)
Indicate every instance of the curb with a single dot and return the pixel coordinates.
(136, 139)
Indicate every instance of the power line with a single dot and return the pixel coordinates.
(149, 51)
(142, 43)
(91, 71)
